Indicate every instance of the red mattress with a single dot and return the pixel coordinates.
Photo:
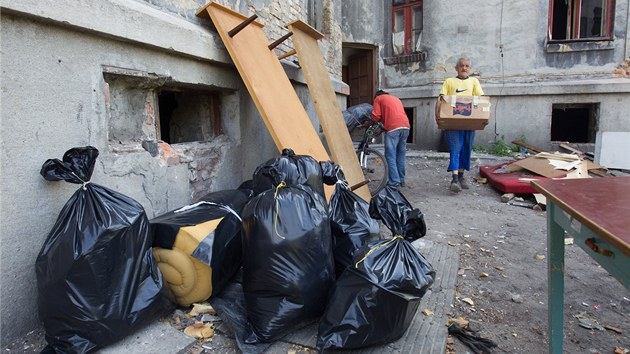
(509, 182)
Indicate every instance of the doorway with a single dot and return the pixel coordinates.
(359, 72)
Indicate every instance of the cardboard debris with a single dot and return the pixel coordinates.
(555, 165)
(201, 309)
(200, 330)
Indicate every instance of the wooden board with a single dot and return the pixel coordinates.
(318, 80)
(268, 84)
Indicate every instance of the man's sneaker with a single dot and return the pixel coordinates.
(402, 184)
(455, 187)
(463, 183)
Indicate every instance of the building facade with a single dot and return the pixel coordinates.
(555, 69)
(147, 83)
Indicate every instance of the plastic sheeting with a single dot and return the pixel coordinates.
(96, 277)
(357, 115)
(222, 248)
(288, 268)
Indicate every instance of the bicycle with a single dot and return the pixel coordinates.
(373, 163)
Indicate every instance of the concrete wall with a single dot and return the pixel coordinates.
(56, 60)
(506, 41)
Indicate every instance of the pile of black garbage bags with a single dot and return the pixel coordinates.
(302, 259)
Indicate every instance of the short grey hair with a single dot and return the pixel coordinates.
(461, 59)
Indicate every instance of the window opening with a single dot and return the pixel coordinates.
(407, 25)
(141, 107)
(187, 116)
(309, 5)
(574, 123)
(576, 20)
(410, 114)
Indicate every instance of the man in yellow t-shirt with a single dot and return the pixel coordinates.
(460, 142)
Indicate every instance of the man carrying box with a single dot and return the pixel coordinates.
(460, 142)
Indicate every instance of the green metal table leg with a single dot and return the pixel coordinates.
(555, 280)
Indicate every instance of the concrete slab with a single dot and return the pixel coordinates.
(157, 337)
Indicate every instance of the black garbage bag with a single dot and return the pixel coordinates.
(331, 173)
(351, 224)
(357, 115)
(288, 268)
(221, 248)
(375, 300)
(230, 307)
(96, 277)
(391, 206)
(292, 169)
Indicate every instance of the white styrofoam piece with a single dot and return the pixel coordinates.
(612, 149)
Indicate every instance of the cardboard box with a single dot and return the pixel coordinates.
(464, 112)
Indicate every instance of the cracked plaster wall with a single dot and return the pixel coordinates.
(54, 97)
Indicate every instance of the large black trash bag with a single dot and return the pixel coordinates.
(222, 248)
(391, 206)
(288, 268)
(376, 298)
(96, 277)
(356, 115)
(292, 169)
(351, 224)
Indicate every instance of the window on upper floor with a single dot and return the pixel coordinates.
(581, 20)
(406, 26)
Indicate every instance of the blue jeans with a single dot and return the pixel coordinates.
(460, 143)
(395, 153)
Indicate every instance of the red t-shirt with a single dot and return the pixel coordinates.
(390, 110)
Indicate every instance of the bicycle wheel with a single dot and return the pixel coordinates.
(375, 169)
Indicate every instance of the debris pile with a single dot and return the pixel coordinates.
(261, 260)
(513, 178)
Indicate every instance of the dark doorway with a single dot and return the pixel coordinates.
(575, 123)
(359, 73)
(412, 117)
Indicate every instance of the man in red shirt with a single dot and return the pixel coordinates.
(390, 111)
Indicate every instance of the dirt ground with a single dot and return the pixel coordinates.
(502, 269)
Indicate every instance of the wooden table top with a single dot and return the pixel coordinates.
(602, 204)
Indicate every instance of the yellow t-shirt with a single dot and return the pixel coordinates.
(466, 87)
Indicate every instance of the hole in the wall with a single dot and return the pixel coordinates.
(575, 123)
(188, 115)
(143, 107)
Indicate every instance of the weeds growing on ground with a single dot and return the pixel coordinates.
(499, 148)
